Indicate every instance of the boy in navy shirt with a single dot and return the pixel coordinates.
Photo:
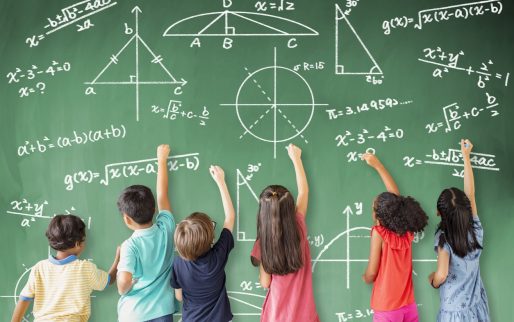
(198, 275)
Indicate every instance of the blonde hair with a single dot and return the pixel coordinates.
(194, 235)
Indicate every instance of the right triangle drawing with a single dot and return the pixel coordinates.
(352, 57)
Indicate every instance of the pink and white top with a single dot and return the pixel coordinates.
(290, 297)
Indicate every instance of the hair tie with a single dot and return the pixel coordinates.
(274, 193)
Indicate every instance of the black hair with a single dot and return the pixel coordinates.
(65, 231)
(456, 222)
(400, 214)
(138, 203)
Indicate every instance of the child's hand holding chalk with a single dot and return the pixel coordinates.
(466, 146)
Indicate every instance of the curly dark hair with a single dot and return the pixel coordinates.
(400, 214)
(64, 231)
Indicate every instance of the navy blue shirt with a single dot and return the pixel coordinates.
(203, 283)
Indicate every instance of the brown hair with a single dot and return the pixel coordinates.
(278, 231)
(65, 231)
(194, 236)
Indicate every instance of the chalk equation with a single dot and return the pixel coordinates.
(446, 61)
(33, 75)
(454, 116)
(453, 158)
(71, 15)
(354, 314)
(355, 156)
(279, 5)
(31, 211)
(462, 11)
(77, 138)
(312, 66)
(175, 110)
(376, 105)
(129, 169)
(363, 136)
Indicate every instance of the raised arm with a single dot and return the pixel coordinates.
(375, 163)
(469, 181)
(295, 153)
(219, 177)
(163, 201)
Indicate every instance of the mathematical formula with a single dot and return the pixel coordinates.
(446, 61)
(33, 76)
(437, 15)
(77, 138)
(131, 169)
(377, 105)
(175, 110)
(364, 136)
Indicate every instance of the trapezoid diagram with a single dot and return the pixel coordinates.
(135, 64)
(237, 23)
(352, 56)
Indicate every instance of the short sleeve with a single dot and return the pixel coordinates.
(255, 255)
(98, 279)
(166, 220)
(127, 259)
(28, 292)
(224, 245)
(174, 280)
(479, 230)
(446, 247)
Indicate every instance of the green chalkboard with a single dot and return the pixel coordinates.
(90, 88)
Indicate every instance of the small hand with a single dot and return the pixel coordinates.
(371, 160)
(163, 151)
(217, 174)
(466, 146)
(294, 152)
(431, 277)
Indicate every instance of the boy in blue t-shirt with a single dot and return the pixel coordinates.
(199, 272)
(146, 257)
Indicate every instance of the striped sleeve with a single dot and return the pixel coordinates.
(98, 279)
(28, 292)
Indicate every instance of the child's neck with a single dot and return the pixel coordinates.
(141, 226)
(63, 254)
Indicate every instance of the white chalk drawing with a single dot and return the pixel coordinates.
(373, 72)
(133, 78)
(276, 104)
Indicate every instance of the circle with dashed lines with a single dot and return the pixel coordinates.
(274, 104)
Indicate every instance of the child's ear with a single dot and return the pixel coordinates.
(128, 221)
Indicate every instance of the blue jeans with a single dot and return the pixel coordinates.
(166, 318)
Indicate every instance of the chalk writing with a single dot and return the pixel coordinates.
(453, 116)
(131, 169)
(377, 105)
(279, 5)
(77, 138)
(462, 11)
(33, 76)
(446, 61)
(364, 135)
(70, 15)
(175, 110)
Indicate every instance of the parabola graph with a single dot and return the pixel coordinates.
(274, 104)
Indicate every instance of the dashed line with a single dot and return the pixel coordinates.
(258, 85)
(257, 121)
(292, 125)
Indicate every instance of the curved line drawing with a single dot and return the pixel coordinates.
(231, 31)
(315, 261)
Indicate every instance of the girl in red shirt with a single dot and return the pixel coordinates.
(396, 220)
(282, 251)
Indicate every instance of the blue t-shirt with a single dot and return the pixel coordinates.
(462, 295)
(148, 255)
(203, 283)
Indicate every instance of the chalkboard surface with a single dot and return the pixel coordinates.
(90, 88)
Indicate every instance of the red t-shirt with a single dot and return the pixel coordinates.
(393, 287)
(290, 297)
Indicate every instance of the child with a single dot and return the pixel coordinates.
(282, 251)
(61, 286)
(144, 270)
(458, 243)
(396, 219)
(199, 272)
